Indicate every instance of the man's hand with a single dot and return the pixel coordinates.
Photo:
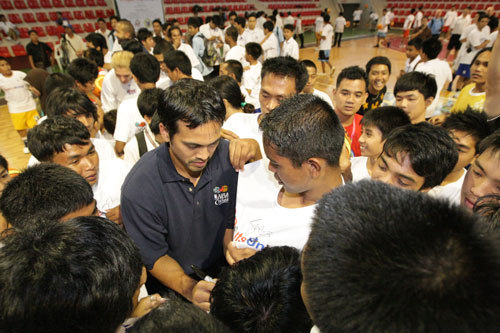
(345, 163)
(147, 304)
(201, 294)
(34, 91)
(114, 215)
(234, 254)
(242, 151)
(228, 135)
(437, 120)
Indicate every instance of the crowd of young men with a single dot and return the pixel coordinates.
(357, 213)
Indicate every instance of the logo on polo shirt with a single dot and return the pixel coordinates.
(221, 195)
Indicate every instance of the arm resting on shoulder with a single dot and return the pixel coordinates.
(492, 102)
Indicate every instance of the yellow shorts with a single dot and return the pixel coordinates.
(24, 120)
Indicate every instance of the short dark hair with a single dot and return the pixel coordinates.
(97, 40)
(232, 33)
(436, 263)
(302, 127)
(268, 25)
(155, 124)
(228, 89)
(353, 73)
(385, 118)
(148, 100)
(143, 34)
(163, 47)
(254, 50)
(157, 21)
(177, 59)
(100, 19)
(240, 20)
(431, 48)
(217, 20)
(57, 80)
(109, 121)
(46, 190)
(287, 67)
(132, 45)
(114, 17)
(83, 70)
(193, 22)
(235, 67)
(262, 293)
(422, 82)
(87, 271)
(433, 153)
(178, 315)
(172, 28)
(32, 31)
(416, 42)
(95, 56)
(49, 138)
(289, 27)
(493, 23)
(69, 101)
(177, 103)
(3, 163)
(326, 18)
(378, 61)
(308, 63)
(491, 142)
(145, 67)
(232, 13)
(486, 49)
(469, 121)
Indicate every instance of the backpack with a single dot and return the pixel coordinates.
(211, 55)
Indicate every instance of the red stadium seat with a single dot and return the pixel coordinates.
(69, 3)
(100, 13)
(45, 4)
(91, 3)
(23, 32)
(80, 3)
(40, 31)
(52, 30)
(58, 3)
(108, 25)
(33, 4)
(19, 50)
(15, 18)
(4, 52)
(42, 17)
(88, 27)
(90, 14)
(29, 18)
(20, 4)
(53, 16)
(6, 5)
(78, 14)
(102, 3)
(110, 12)
(77, 28)
(67, 15)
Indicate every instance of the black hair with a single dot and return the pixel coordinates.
(232, 13)
(385, 118)
(273, 19)
(177, 59)
(286, 67)
(57, 80)
(100, 19)
(155, 124)
(488, 207)
(45, 190)
(366, 271)
(432, 152)
(114, 17)
(262, 293)
(163, 47)
(289, 27)
(217, 20)
(254, 50)
(469, 121)
(177, 103)
(353, 73)
(109, 121)
(69, 101)
(78, 276)
(252, 14)
(416, 42)
(177, 315)
(493, 23)
(308, 63)
(235, 67)
(83, 70)
(378, 61)
(148, 100)
(96, 56)
(132, 45)
(431, 48)
(3, 163)
(422, 82)
(145, 67)
(173, 27)
(143, 34)
(156, 21)
(32, 31)
(228, 89)
(49, 138)
(166, 26)
(303, 127)
(268, 25)
(483, 15)
(326, 18)
(194, 22)
(241, 21)
(486, 49)
(232, 32)
(491, 142)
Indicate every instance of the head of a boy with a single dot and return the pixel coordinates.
(413, 48)
(85, 73)
(288, 31)
(378, 70)
(312, 75)
(351, 91)
(416, 157)
(252, 51)
(303, 140)
(414, 92)
(33, 36)
(5, 68)
(376, 126)
(430, 49)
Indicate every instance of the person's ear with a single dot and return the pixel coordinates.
(315, 165)
(428, 101)
(164, 133)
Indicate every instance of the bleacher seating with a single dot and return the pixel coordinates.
(90, 14)
(88, 27)
(78, 14)
(23, 32)
(29, 18)
(4, 52)
(20, 4)
(40, 31)
(6, 5)
(45, 4)
(77, 28)
(14, 18)
(42, 17)
(18, 50)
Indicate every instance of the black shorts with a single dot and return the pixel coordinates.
(324, 55)
(454, 42)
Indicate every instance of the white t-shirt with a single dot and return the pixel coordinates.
(418, 19)
(449, 191)
(129, 121)
(270, 47)
(374, 17)
(384, 22)
(442, 73)
(237, 53)
(460, 23)
(17, 94)
(318, 24)
(196, 74)
(260, 220)
(474, 39)
(188, 50)
(298, 26)
(78, 45)
(251, 78)
(279, 21)
(410, 66)
(356, 15)
(463, 48)
(492, 38)
(131, 150)
(6, 26)
(256, 36)
(326, 44)
(449, 18)
(288, 20)
(246, 126)
(290, 48)
(324, 96)
(113, 91)
(358, 168)
(164, 81)
(107, 190)
(340, 23)
(409, 21)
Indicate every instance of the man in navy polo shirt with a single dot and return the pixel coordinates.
(178, 202)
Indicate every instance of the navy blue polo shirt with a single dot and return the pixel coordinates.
(166, 215)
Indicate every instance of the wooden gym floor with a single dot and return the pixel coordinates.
(353, 52)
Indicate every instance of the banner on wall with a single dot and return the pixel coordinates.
(141, 13)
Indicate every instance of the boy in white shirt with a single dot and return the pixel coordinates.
(145, 71)
(408, 24)
(382, 26)
(252, 34)
(269, 43)
(325, 45)
(356, 17)
(236, 52)
(340, 23)
(413, 54)
(290, 45)
(312, 72)
(377, 124)
(251, 77)
(74, 43)
(303, 141)
(20, 102)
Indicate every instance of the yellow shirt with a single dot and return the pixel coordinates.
(468, 97)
